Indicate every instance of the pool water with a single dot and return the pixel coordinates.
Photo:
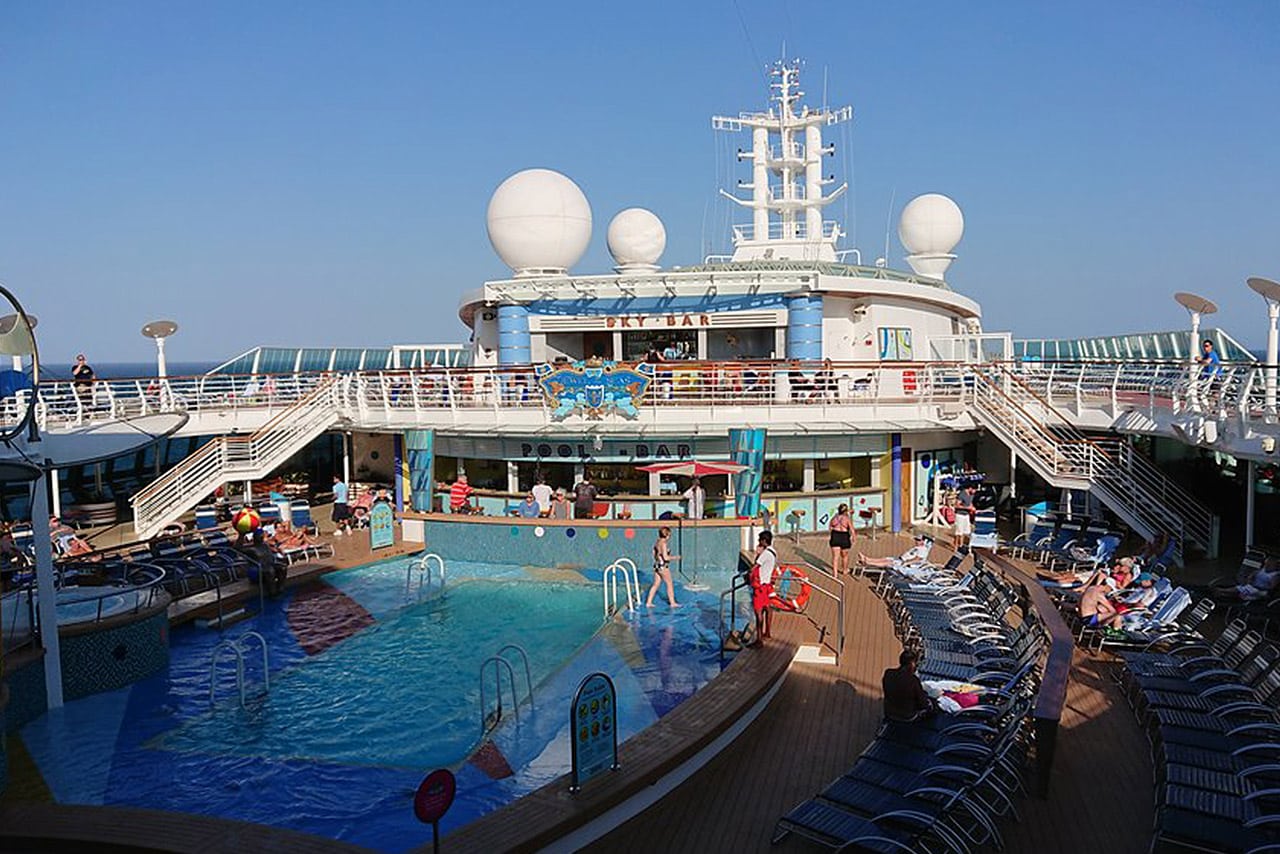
(372, 686)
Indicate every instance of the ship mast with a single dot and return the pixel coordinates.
(786, 184)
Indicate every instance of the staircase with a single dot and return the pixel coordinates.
(232, 458)
(1130, 486)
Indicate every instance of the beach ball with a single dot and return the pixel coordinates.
(246, 520)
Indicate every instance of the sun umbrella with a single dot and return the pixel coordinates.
(693, 468)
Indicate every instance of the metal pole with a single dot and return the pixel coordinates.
(1013, 474)
(48, 596)
(161, 368)
(1195, 345)
(1250, 476)
(1273, 344)
(55, 490)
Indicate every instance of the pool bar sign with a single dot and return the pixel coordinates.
(593, 720)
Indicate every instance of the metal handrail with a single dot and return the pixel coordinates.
(739, 582)
(629, 581)
(239, 646)
(838, 599)
(423, 567)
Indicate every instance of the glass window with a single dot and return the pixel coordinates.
(619, 479)
(671, 343)
(558, 475)
(315, 359)
(729, 344)
(277, 360)
(895, 344)
(346, 359)
(783, 475)
(843, 473)
(446, 469)
(487, 474)
(376, 360)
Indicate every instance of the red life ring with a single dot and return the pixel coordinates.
(791, 589)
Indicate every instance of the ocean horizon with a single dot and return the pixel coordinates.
(127, 370)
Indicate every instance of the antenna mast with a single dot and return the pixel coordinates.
(786, 184)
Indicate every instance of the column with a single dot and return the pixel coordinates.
(804, 327)
(809, 478)
(513, 476)
(513, 335)
(895, 478)
(1251, 485)
(48, 596)
(420, 445)
(55, 491)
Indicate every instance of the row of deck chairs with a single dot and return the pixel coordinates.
(939, 785)
(1056, 542)
(205, 560)
(1210, 713)
(299, 515)
(1259, 612)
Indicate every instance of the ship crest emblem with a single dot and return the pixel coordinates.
(594, 390)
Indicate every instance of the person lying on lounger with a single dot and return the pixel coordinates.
(1096, 609)
(916, 557)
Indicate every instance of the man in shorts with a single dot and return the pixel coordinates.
(964, 516)
(341, 509)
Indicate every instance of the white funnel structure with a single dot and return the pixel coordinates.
(930, 227)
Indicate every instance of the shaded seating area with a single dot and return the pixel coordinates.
(947, 782)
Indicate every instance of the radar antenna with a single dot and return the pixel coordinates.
(787, 195)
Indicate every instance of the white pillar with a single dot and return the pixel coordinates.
(248, 493)
(813, 180)
(655, 483)
(1249, 484)
(162, 370)
(55, 490)
(48, 596)
(1273, 344)
(513, 476)
(17, 363)
(1195, 344)
(810, 476)
(760, 182)
(1013, 473)
(346, 458)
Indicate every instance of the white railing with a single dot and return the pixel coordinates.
(234, 458)
(1133, 487)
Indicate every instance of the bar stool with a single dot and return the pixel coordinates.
(868, 517)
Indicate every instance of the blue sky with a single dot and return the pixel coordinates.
(317, 173)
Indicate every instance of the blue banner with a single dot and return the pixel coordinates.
(422, 463)
(593, 721)
(382, 526)
(746, 448)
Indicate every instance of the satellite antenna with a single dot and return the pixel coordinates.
(1197, 306)
(7, 324)
(1270, 291)
(160, 330)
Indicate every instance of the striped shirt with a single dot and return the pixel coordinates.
(459, 494)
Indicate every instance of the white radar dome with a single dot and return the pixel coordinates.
(931, 224)
(636, 239)
(539, 222)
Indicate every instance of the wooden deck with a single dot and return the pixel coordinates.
(824, 716)
(811, 732)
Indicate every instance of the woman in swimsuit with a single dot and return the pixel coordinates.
(841, 541)
(662, 558)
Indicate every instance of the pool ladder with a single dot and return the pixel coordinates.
(625, 567)
(499, 663)
(238, 647)
(422, 566)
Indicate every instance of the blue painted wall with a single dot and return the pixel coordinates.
(591, 546)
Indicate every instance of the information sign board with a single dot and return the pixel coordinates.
(593, 720)
(382, 526)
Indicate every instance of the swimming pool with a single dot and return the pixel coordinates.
(371, 688)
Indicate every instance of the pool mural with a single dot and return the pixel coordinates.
(373, 684)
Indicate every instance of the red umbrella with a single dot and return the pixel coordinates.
(693, 468)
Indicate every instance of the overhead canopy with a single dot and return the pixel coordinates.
(693, 468)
